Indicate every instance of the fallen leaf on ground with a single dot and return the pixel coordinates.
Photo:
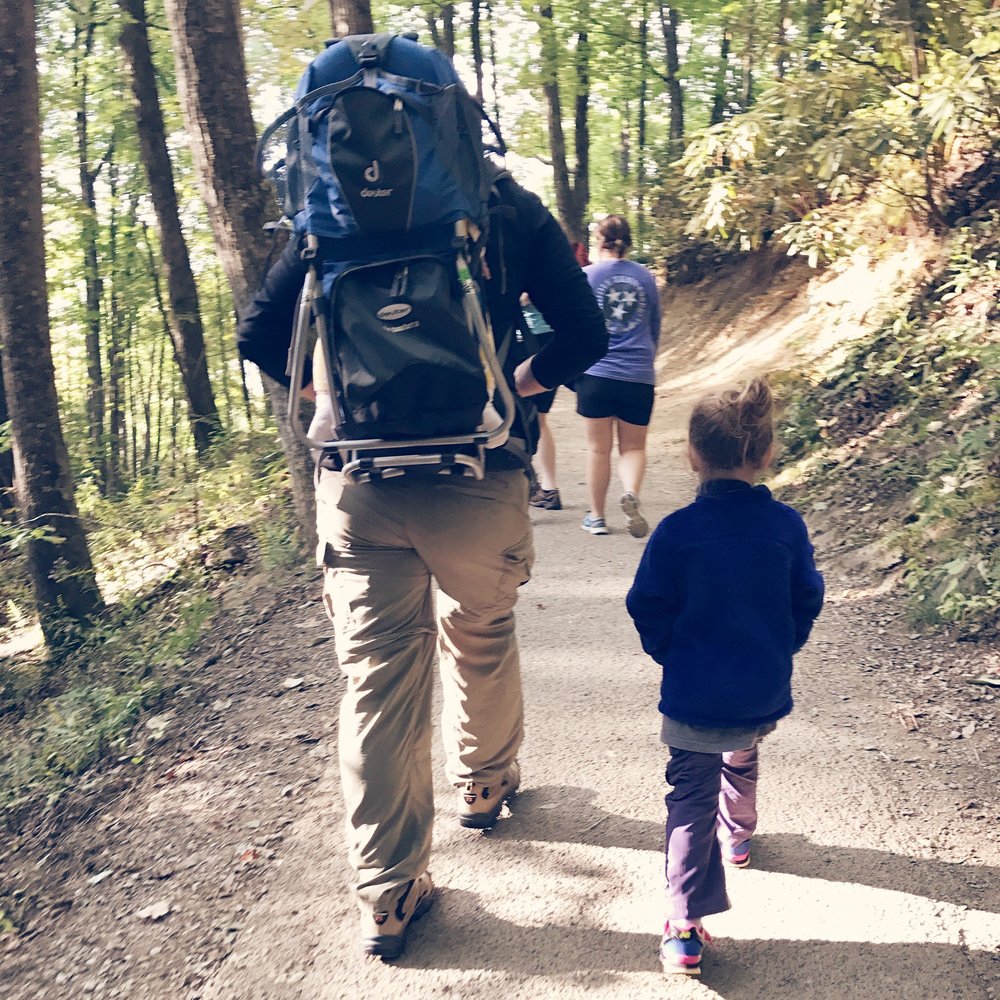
(155, 911)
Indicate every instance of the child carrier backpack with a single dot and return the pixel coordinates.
(386, 184)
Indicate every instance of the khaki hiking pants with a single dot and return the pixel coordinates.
(381, 544)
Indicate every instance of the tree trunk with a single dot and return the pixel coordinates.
(747, 61)
(640, 160)
(116, 352)
(781, 46)
(493, 62)
(475, 30)
(814, 29)
(720, 100)
(351, 17)
(448, 18)
(211, 79)
(6, 455)
(581, 124)
(93, 284)
(186, 332)
(569, 206)
(669, 22)
(62, 575)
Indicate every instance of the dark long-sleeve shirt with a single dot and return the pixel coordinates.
(725, 594)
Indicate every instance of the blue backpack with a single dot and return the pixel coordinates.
(386, 183)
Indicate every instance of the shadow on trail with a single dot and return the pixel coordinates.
(962, 884)
(567, 814)
(463, 935)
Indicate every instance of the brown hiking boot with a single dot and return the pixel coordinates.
(480, 805)
(384, 926)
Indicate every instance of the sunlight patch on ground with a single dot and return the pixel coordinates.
(21, 641)
(620, 890)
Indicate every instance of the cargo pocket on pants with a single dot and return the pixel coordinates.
(518, 561)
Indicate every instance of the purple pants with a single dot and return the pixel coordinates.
(713, 798)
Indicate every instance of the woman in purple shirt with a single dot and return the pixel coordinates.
(615, 396)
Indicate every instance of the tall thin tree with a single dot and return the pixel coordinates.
(572, 191)
(211, 78)
(59, 561)
(669, 24)
(186, 332)
(351, 17)
(89, 167)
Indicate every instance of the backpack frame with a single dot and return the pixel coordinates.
(329, 245)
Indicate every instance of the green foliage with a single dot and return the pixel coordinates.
(853, 125)
(148, 547)
(912, 415)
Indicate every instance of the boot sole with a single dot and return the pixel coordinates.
(390, 946)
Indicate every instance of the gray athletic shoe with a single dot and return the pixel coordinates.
(595, 525)
(634, 521)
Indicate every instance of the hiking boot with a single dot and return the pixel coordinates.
(384, 926)
(680, 950)
(634, 521)
(595, 525)
(481, 804)
(737, 855)
(546, 499)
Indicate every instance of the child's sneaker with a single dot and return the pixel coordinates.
(737, 855)
(634, 521)
(680, 950)
(546, 499)
(595, 525)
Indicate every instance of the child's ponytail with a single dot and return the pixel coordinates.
(734, 428)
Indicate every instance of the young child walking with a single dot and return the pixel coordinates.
(726, 592)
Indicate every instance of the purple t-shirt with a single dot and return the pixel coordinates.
(626, 292)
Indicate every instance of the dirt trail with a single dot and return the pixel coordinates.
(875, 870)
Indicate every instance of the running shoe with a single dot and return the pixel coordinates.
(680, 950)
(595, 525)
(634, 521)
(480, 805)
(546, 499)
(384, 926)
(737, 855)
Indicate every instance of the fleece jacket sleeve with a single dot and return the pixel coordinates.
(264, 333)
(807, 589)
(654, 599)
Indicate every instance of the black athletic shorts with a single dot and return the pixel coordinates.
(544, 400)
(598, 397)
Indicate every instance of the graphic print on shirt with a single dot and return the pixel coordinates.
(623, 300)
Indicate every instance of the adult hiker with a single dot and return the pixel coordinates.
(384, 544)
(615, 395)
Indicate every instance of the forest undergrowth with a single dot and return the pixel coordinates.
(161, 553)
(895, 437)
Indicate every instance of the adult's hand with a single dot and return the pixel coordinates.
(525, 383)
(308, 392)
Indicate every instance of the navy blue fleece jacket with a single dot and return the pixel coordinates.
(726, 592)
